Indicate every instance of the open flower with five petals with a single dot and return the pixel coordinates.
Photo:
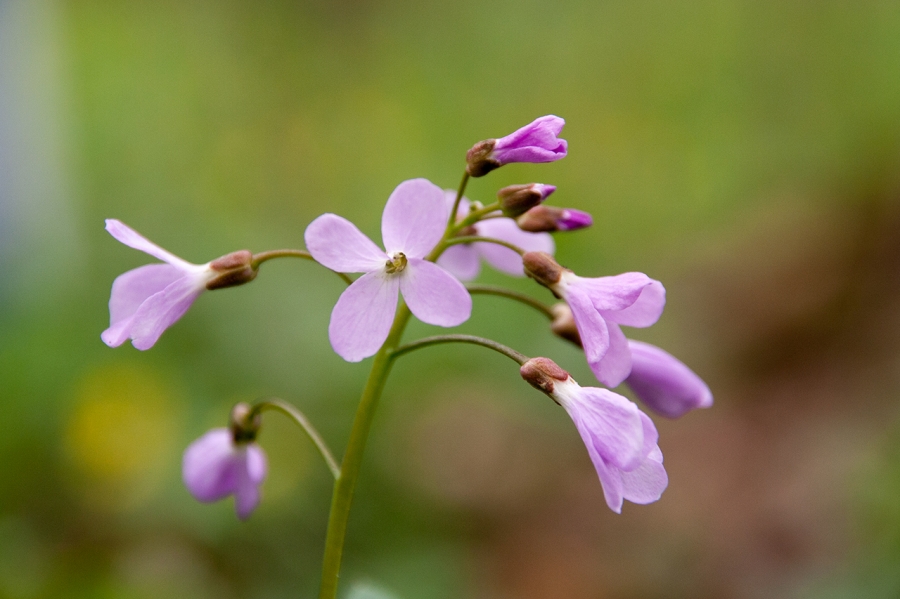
(412, 224)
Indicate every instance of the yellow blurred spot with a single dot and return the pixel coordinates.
(121, 435)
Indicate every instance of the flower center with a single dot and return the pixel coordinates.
(396, 264)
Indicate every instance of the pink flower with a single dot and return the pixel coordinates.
(412, 224)
(535, 142)
(599, 305)
(214, 467)
(146, 301)
(620, 439)
(464, 260)
(663, 383)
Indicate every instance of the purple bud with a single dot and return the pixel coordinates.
(518, 199)
(664, 383)
(550, 219)
(535, 142)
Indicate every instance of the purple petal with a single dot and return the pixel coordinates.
(646, 483)
(503, 258)
(535, 142)
(129, 291)
(337, 244)
(208, 467)
(158, 312)
(414, 218)
(645, 311)
(362, 317)
(615, 365)
(461, 261)
(664, 383)
(610, 293)
(572, 219)
(251, 471)
(610, 481)
(591, 327)
(609, 423)
(125, 234)
(434, 295)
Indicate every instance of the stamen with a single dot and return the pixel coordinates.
(396, 264)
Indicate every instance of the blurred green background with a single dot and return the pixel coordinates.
(746, 153)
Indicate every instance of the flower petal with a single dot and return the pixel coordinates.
(611, 422)
(161, 310)
(615, 365)
(591, 327)
(433, 295)
(503, 258)
(251, 471)
(535, 142)
(208, 466)
(646, 483)
(414, 218)
(664, 383)
(125, 234)
(129, 291)
(645, 311)
(610, 481)
(338, 244)
(461, 261)
(362, 317)
(610, 293)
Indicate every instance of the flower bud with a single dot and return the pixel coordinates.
(244, 423)
(518, 199)
(550, 219)
(232, 270)
(563, 324)
(535, 142)
(541, 373)
(541, 267)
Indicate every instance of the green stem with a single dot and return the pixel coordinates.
(346, 482)
(476, 238)
(513, 295)
(272, 254)
(459, 196)
(300, 418)
(438, 339)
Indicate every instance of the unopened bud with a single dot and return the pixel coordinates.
(541, 267)
(479, 160)
(548, 219)
(244, 423)
(518, 199)
(563, 324)
(232, 270)
(542, 373)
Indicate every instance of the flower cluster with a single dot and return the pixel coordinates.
(433, 241)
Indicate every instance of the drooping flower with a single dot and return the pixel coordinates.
(551, 219)
(412, 224)
(227, 461)
(535, 142)
(147, 300)
(622, 441)
(599, 305)
(464, 260)
(664, 383)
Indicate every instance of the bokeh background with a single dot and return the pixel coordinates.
(746, 153)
